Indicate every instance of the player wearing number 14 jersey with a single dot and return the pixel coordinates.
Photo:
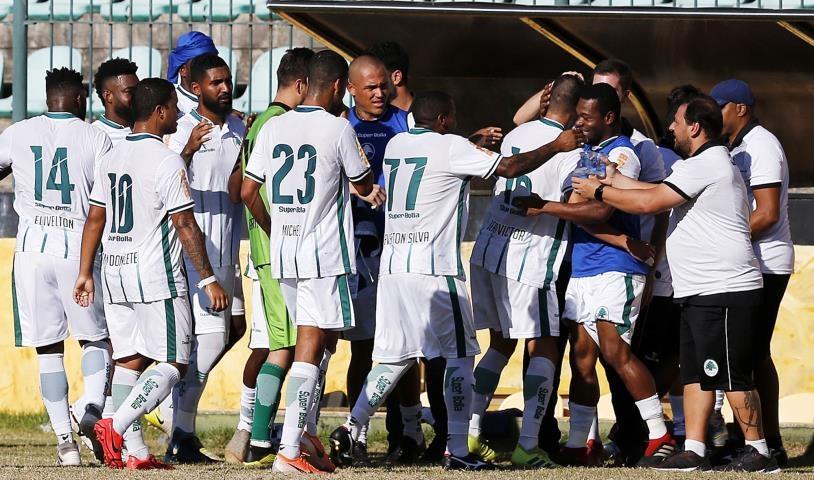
(423, 307)
(54, 157)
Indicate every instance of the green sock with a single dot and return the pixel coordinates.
(267, 399)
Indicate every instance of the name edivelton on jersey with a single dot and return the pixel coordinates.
(412, 237)
(53, 221)
(506, 230)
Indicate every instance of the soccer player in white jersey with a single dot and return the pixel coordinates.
(716, 277)
(762, 162)
(423, 308)
(515, 262)
(54, 158)
(309, 161)
(115, 81)
(141, 211)
(209, 139)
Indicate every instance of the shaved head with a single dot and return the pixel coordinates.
(369, 84)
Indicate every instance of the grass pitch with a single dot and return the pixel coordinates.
(27, 450)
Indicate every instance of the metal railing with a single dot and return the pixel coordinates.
(98, 28)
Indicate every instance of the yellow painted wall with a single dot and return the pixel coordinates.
(792, 347)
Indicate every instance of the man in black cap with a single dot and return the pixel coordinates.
(762, 162)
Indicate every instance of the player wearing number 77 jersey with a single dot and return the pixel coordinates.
(423, 307)
(141, 211)
(307, 158)
(54, 157)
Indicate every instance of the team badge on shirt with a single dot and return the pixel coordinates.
(710, 367)
(602, 313)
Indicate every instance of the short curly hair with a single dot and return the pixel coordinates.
(63, 80)
(112, 69)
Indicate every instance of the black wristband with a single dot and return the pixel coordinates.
(598, 192)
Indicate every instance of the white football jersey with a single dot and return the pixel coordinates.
(187, 101)
(427, 176)
(209, 173)
(140, 184)
(306, 158)
(529, 250)
(54, 158)
(116, 132)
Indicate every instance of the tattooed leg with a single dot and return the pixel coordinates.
(746, 409)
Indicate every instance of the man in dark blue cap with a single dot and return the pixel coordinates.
(762, 162)
(188, 46)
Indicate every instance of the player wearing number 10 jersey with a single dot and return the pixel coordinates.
(54, 158)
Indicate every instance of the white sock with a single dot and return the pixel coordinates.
(208, 349)
(247, 397)
(487, 376)
(677, 404)
(699, 448)
(411, 418)
(593, 433)
(759, 445)
(153, 385)
(537, 390)
(381, 380)
(363, 433)
(124, 380)
(54, 390)
(302, 380)
(313, 414)
(109, 409)
(458, 381)
(719, 400)
(96, 366)
(579, 424)
(652, 413)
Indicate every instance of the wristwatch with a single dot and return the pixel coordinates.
(598, 192)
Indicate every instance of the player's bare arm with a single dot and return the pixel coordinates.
(91, 237)
(487, 136)
(376, 197)
(523, 163)
(653, 199)
(196, 140)
(767, 210)
(250, 194)
(235, 182)
(583, 213)
(535, 107)
(364, 187)
(192, 240)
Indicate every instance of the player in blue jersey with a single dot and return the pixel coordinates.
(605, 291)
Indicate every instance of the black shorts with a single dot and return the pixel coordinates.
(718, 340)
(774, 287)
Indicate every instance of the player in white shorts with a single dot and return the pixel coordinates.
(604, 294)
(309, 159)
(54, 158)
(423, 307)
(141, 211)
(515, 263)
(115, 81)
(209, 139)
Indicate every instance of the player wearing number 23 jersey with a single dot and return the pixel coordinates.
(306, 158)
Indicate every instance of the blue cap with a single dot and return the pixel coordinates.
(189, 46)
(732, 91)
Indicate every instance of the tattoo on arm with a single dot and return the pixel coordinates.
(192, 241)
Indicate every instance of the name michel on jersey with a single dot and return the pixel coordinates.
(502, 230)
(53, 221)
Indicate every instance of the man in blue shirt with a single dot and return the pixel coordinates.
(605, 292)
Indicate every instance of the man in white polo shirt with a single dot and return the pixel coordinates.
(215, 186)
(715, 277)
(762, 162)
